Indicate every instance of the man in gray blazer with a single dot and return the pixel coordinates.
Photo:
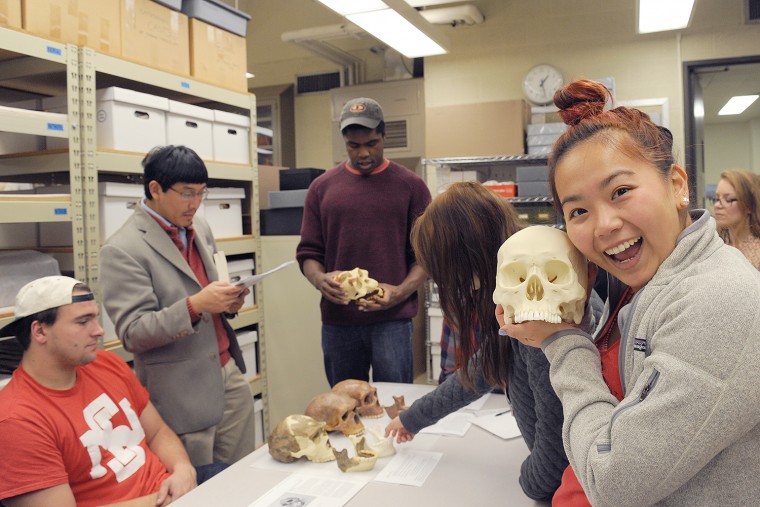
(161, 290)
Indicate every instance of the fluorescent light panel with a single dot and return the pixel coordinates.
(346, 7)
(737, 104)
(392, 28)
(662, 15)
(387, 25)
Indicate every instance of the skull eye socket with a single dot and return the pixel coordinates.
(367, 399)
(512, 274)
(558, 272)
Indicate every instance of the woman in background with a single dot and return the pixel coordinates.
(456, 241)
(737, 212)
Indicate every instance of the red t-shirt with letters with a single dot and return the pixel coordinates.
(89, 436)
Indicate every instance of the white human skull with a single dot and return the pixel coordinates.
(362, 392)
(299, 436)
(541, 276)
(358, 284)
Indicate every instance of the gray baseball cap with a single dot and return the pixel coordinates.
(362, 111)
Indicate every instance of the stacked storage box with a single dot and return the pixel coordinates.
(191, 126)
(230, 136)
(223, 210)
(541, 136)
(248, 341)
(533, 181)
(239, 269)
(286, 205)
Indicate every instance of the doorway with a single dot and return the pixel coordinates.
(715, 143)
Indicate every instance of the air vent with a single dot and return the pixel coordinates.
(752, 11)
(395, 134)
(322, 82)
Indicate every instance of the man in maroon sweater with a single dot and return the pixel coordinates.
(359, 214)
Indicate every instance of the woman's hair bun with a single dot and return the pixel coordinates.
(581, 99)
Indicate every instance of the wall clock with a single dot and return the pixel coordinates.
(540, 83)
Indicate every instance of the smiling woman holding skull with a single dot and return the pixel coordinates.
(456, 241)
(688, 426)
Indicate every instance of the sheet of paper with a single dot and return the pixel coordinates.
(301, 490)
(499, 422)
(454, 424)
(410, 467)
(477, 404)
(250, 280)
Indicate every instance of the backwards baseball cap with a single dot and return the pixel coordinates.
(43, 294)
(362, 111)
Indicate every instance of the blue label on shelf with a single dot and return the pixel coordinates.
(55, 126)
(54, 50)
(184, 84)
(60, 211)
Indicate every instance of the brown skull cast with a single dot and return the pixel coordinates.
(338, 411)
(362, 392)
(299, 436)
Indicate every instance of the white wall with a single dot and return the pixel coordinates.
(584, 38)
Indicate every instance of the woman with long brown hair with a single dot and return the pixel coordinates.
(456, 241)
(737, 212)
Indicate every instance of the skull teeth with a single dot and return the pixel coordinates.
(553, 318)
(622, 246)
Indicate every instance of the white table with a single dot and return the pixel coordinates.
(477, 469)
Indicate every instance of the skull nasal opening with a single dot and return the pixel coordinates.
(535, 289)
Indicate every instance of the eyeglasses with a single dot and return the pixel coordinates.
(189, 195)
(724, 201)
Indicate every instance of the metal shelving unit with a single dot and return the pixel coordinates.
(33, 66)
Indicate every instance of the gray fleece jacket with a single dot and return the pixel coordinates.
(687, 432)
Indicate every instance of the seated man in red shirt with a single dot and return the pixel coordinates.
(76, 426)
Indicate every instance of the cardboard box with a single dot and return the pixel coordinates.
(223, 211)
(95, 24)
(10, 14)
(472, 130)
(231, 137)
(191, 126)
(217, 56)
(269, 181)
(155, 36)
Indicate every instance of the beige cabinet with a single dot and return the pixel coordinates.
(295, 371)
(275, 125)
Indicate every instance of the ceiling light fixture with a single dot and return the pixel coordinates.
(737, 104)
(663, 15)
(395, 23)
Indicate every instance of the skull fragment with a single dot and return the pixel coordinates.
(541, 276)
(358, 284)
(364, 394)
(299, 436)
(338, 411)
(399, 405)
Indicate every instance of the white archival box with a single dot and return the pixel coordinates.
(130, 120)
(247, 341)
(231, 137)
(258, 412)
(127, 120)
(190, 126)
(116, 202)
(240, 269)
(223, 210)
